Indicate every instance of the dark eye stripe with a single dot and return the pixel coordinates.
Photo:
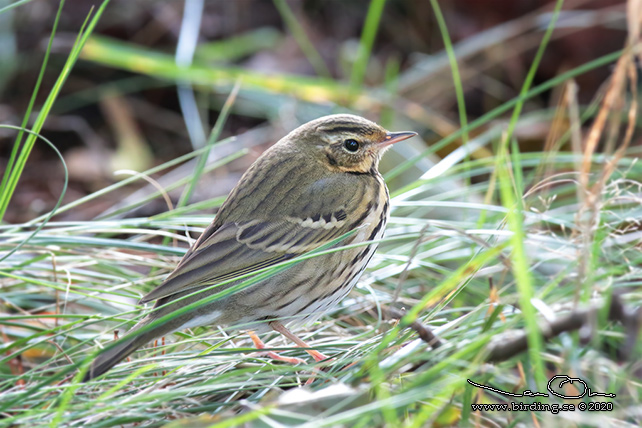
(349, 129)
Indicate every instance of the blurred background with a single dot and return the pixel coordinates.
(122, 110)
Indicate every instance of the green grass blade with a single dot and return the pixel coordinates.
(58, 202)
(302, 38)
(12, 5)
(202, 160)
(521, 269)
(48, 104)
(9, 174)
(370, 28)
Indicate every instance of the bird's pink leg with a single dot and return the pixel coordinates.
(258, 343)
(277, 326)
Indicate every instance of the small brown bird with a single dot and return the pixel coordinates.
(314, 186)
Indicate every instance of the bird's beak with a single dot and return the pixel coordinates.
(395, 137)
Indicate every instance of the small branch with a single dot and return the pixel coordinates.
(510, 344)
(424, 332)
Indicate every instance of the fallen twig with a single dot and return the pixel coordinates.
(423, 331)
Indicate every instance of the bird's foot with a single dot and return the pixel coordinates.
(258, 344)
(278, 327)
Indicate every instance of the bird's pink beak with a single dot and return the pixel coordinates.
(395, 137)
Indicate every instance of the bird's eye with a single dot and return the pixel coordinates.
(351, 145)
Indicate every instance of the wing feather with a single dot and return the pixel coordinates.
(234, 250)
(250, 233)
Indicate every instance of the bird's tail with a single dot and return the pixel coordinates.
(112, 356)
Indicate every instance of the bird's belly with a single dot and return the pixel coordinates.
(323, 288)
(323, 281)
(300, 294)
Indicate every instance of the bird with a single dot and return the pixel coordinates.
(319, 183)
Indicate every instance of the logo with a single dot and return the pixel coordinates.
(549, 387)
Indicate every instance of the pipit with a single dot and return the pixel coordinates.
(316, 185)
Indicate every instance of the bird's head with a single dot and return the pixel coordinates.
(345, 143)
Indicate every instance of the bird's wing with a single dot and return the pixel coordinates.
(237, 248)
(267, 221)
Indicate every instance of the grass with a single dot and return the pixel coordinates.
(19, 154)
(519, 241)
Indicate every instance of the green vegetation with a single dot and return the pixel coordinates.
(493, 242)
